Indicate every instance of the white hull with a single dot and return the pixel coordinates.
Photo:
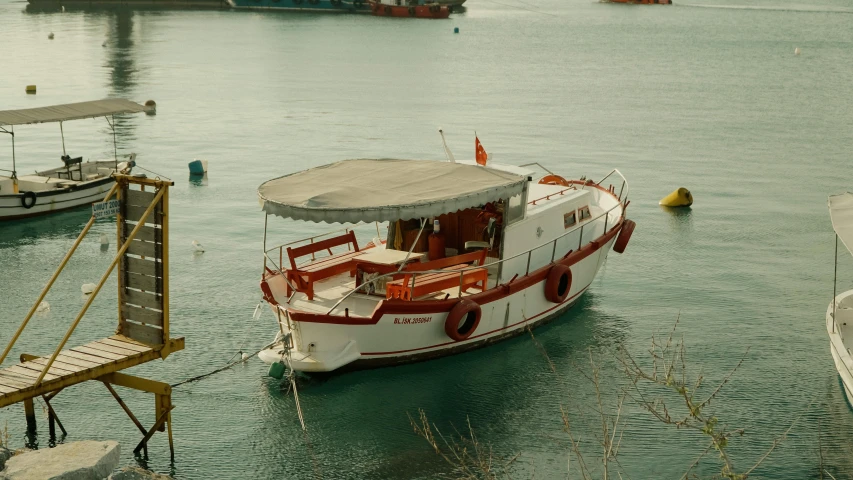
(364, 332)
(51, 194)
(841, 340)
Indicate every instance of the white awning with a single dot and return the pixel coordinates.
(841, 213)
(350, 191)
(71, 111)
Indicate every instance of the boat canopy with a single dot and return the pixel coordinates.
(71, 111)
(841, 213)
(382, 190)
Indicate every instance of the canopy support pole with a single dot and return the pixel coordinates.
(115, 147)
(266, 218)
(62, 133)
(834, 282)
(412, 248)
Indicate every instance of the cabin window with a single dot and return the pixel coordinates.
(515, 210)
(583, 213)
(569, 219)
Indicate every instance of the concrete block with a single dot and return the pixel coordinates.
(85, 460)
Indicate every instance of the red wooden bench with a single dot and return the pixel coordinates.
(404, 289)
(304, 276)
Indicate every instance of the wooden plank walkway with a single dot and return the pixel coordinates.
(76, 365)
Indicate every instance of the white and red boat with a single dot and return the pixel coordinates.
(472, 255)
(427, 10)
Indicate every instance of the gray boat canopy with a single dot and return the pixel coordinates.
(841, 213)
(382, 190)
(71, 111)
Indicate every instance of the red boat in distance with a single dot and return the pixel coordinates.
(429, 10)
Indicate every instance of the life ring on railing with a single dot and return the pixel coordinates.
(412, 11)
(624, 236)
(462, 320)
(32, 199)
(558, 284)
(554, 180)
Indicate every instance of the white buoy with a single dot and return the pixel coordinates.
(797, 51)
(88, 288)
(43, 307)
(245, 357)
(198, 247)
(50, 36)
(104, 239)
(63, 8)
(104, 44)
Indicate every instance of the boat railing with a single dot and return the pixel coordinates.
(309, 240)
(529, 253)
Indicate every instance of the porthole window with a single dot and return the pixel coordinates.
(584, 214)
(569, 219)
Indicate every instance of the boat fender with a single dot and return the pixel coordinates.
(554, 180)
(624, 236)
(28, 199)
(412, 11)
(558, 284)
(462, 320)
(387, 10)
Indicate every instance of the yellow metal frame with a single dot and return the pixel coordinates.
(107, 373)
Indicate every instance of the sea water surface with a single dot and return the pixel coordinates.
(704, 94)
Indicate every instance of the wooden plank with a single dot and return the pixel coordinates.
(54, 369)
(143, 299)
(142, 282)
(149, 233)
(75, 361)
(87, 357)
(30, 373)
(142, 266)
(138, 197)
(142, 333)
(4, 389)
(41, 362)
(16, 382)
(118, 343)
(112, 348)
(98, 353)
(141, 315)
(108, 348)
(121, 338)
(143, 249)
(134, 213)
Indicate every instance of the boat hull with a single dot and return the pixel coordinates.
(839, 331)
(642, 2)
(351, 343)
(32, 203)
(323, 6)
(410, 11)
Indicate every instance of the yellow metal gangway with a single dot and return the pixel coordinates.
(142, 219)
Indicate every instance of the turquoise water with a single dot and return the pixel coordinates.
(704, 94)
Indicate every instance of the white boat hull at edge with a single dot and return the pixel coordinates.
(837, 333)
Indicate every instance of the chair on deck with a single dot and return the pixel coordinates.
(304, 276)
(70, 162)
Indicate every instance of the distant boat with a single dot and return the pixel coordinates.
(430, 10)
(324, 6)
(839, 315)
(640, 2)
(75, 183)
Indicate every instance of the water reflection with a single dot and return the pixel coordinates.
(67, 224)
(198, 180)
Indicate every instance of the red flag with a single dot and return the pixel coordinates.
(481, 154)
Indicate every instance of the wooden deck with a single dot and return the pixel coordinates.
(76, 365)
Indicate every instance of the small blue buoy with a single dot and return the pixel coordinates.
(198, 167)
(455, 29)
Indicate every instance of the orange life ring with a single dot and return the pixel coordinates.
(624, 236)
(558, 284)
(462, 320)
(554, 180)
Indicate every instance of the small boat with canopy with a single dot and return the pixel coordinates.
(839, 314)
(462, 255)
(76, 182)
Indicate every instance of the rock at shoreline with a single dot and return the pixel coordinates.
(137, 473)
(5, 454)
(82, 460)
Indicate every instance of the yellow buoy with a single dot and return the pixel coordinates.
(679, 198)
(31, 89)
